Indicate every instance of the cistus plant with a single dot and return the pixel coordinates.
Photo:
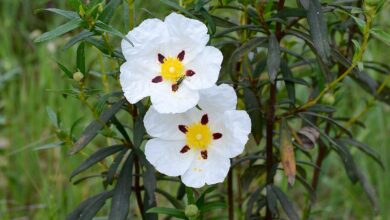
(163, 86)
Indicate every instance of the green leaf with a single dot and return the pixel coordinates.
(210, 206)
(290, 86)
(286, 203)
(178, 7)
(381, 35)
(93, 128)
(121, 199)
(273, 58)
(80, 59)
(365, 149)
(318, 29)
(271, 200)
(139, 131)
(82, 207)
(109, 10)
(96, 157)
(149, 177)
(175, 202)
(65, 70)
(50, 146)
(331, 120)
(112, 171)
(251, 173)
(93, 208)
(242, 51)
(168, 211)
(252, 105)
(65, 13)
(100, 26)
(99, 44)
(201, 199)
(71, 25)
(79, 37)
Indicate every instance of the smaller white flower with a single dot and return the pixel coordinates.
(169, 62)
(198, 144)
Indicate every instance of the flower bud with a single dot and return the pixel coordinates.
(372, 6)
(81, 11)
(100, 8)
(328, 99)
(192, 211)
(78, 76)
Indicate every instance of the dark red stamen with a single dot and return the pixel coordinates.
(157, 79)
(180, 56)
(183, 128)
(204, 154)
(217, 136)
(205, 119)
(190, 73)
(185, 149)
(161, 58)
(175, 87)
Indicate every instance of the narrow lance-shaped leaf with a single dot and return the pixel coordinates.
(96, 157)
(76, 213)
(253, 108)
(65, 13)
(287, 152)
(318, 29)
(100, 26)
(92, 129)
(122, 191)
(286, 203)
(81, 57)
(109, 10)
(79, 37)
(289, 84)
(65, 70)
(178, 7)
(177, 213)
(72, 24)
(273, 59)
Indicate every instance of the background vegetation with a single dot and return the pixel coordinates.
(34, 181)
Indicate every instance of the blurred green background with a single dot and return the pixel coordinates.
(34, 184)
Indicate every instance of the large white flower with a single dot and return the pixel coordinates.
(169, 62)
(198, 144)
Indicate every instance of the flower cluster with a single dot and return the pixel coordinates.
(195, 126)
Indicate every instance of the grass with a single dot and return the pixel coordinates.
(34, 184)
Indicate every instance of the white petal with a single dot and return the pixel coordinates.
(136, 79)
(189, 33)
(237, 126)
(206, 66)
(218, 98)
(149, 34)
(165, 126)
(209, 171)
(165, 100)
(165, 156)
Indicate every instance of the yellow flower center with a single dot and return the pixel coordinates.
(199, 136)
(172, 69)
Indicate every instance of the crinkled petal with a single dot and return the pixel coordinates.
(165, 100)
(165, 156)
(146, 37)
(206, 66)
(235, 129)
(218, 98)
(209, 171)
(136, 79)
(190, 33)
(165, 126)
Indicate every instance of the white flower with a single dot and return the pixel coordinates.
(198, 144)
(169, 62)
